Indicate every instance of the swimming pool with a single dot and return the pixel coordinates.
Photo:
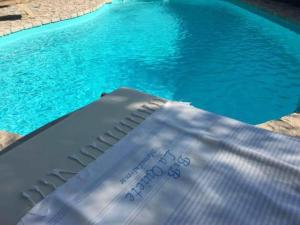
(218, 56)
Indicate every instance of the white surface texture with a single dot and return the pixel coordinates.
(183, 166)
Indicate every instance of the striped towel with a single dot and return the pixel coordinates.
(183, 166)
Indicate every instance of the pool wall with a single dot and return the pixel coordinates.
(285, 14)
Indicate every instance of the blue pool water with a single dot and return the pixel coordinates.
(214, 54)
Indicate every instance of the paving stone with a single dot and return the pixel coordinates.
(46, 11)
(289, 125)
(7, 139)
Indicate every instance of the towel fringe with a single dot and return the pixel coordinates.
(123, 127)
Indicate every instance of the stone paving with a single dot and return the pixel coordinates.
(45, 11)
(289, 125)
(7, 139)
(279, 8)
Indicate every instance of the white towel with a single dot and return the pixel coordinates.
(183, 166)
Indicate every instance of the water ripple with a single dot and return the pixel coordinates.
(211, 53)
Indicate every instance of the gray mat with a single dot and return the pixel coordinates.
(33, 157)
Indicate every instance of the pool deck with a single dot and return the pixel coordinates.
(44, 11)
(289, 125)
(7, 139)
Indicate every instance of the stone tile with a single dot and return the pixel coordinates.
(15, 29)
(46, 21)
(7, 139)
(28, 26)
(36, 23)
(55, 19)
(289, 125)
